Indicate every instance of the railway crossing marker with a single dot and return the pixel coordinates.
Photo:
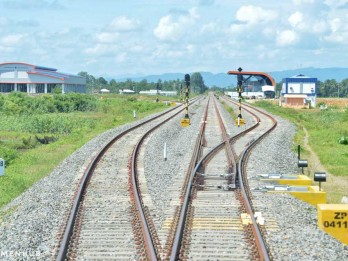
(186, 120)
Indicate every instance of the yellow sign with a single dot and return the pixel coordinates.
(333, 219)
(185, 122)
(240, 121)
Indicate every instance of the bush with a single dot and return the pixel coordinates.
(50, 124)
(19, 103)
(9, 155)
(28, 143)
(343, 140)
(74, 102)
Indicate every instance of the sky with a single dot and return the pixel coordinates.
(121, 38)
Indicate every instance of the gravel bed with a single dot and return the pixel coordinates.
(298, 237)
(30, 224)
(165, 183)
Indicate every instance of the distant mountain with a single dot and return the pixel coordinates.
(225, 80)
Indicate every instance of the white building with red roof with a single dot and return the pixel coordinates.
(24, 77)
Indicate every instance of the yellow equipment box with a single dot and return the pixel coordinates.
(185, 122)
(298, 180)
(313, 196)
(241, 121)
(333, 219)
(309, 194)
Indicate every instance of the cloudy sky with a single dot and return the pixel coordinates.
(117, 38)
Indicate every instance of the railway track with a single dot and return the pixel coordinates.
(107, 220)
(210, 226)
(112, 218)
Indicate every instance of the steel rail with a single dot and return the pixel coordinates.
(180, 225)
(151, 250)
(260, 243)
(68, 232)
(174, 255)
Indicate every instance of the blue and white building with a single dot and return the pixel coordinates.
(300, 87)
(28, 78)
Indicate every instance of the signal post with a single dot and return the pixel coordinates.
(186, 120)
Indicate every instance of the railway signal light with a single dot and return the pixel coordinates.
(186, 120)
(240, 120)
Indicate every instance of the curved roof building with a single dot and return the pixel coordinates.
(24, 77)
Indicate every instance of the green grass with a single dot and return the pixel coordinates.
(72, 130)
(324, 128)
(229, 109)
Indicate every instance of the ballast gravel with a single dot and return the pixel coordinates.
(296, 235)
(30, 224)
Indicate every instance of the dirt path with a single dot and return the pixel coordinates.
(336, 187)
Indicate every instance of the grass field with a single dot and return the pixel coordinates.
(324, 128)
(28, 161)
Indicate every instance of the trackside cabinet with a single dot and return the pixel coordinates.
(333, 219)
(2, 167)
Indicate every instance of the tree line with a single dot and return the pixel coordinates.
(95, 84)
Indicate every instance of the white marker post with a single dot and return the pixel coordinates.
(165, 151)
(134, 114)
(2, 167)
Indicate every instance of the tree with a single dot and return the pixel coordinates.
(102, 81)
(197, 83)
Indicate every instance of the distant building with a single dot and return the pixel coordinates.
(126, 91)
(24, 77)
(299, 91)
(104, 91)
(159, 92)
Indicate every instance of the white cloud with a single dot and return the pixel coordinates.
(167, 29)
(121, 57)
(98, 49)
(124, 24)
(254, 14)
(295, 19)
(335, 24)
(301, 2)
(13, 39)
(106, 37)
(335, 3)
(286, 37)
(339, 31)
(172, 28)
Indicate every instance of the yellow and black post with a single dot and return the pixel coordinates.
(157, 87)
(240, 120)
(186, 120)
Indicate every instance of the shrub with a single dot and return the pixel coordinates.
(28, 143)
(9, 155)
(343, 140)
(74, 102)
(50, 124)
